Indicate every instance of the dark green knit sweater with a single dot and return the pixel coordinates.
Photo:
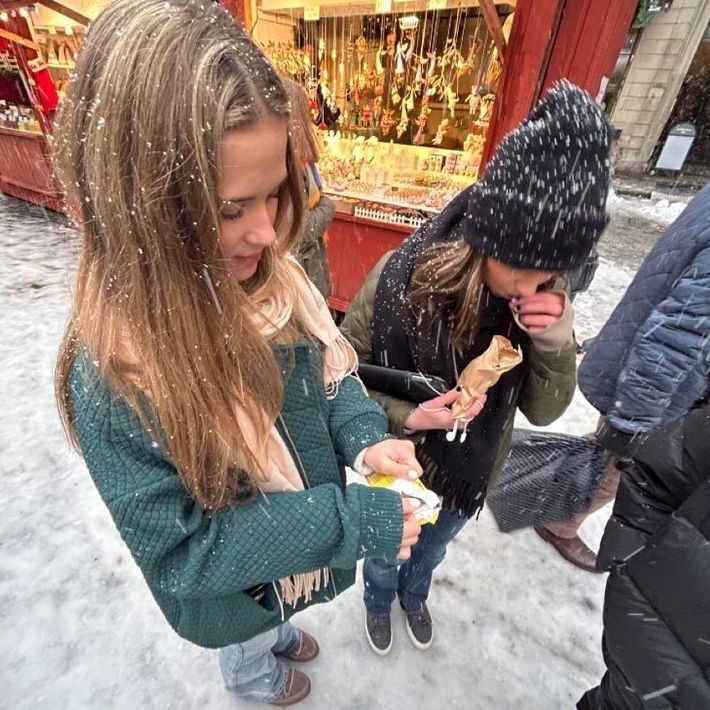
(207, 570)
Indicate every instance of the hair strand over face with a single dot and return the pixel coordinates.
(446, 285)
(156, 87)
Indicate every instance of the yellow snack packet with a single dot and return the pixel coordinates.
(431, 502)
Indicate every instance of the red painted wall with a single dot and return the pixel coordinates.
(579, 40)
(589, 39)
(525, 57)
(239, 11)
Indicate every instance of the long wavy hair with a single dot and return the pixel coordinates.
(446, 285)
(156, 87)
(303, 136)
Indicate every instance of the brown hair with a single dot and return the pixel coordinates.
(446, 284)
(156, 87)
(302, 131)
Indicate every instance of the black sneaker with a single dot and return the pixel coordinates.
(419, 627)
(379, 632)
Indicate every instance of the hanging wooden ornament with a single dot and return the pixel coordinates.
(378, 62)
(451, 98)
(418, 76)
(473, 143)
(394, 95)
(487, 107)
(399, 61)
(403, 121)
(409, 101)
(377, 111)
(473, 100)
(387, 122)
(409, 47)
(431, 58)
(441, 131)
(360, 48)
(421, 122)
(434, 87)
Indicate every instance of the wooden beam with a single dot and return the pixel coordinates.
(12, 37)
(490, 15)
(12, 4)
(536, 21)
(240, 10)
(66, 11)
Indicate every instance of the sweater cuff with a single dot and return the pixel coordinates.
(359, 433)
(381, 522)
(557, 335)
(619, 442)
(359, 465)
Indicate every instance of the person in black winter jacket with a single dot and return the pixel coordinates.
(657, 607)
(648, 374)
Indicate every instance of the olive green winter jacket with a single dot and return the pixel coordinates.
(546, 394)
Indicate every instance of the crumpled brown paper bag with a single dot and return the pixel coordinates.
(484, 372)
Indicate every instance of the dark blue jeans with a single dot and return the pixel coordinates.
(411, 580)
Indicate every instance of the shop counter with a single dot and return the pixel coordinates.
(354, 246)
(25, 170)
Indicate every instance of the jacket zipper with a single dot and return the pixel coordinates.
(281, 426)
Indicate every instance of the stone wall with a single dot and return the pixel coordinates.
(657, 71)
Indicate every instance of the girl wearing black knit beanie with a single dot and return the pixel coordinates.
(488, 264)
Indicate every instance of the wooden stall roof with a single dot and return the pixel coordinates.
(60, 7)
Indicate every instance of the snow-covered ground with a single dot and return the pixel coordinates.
(516, 626)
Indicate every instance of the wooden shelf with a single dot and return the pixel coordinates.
(365, 197)
(20, 134)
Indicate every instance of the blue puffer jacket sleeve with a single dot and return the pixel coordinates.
(667, 370)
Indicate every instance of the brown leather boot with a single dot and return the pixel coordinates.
(297, 687)
(306, 649)
(572, 549)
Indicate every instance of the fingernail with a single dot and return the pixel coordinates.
(415, 502)
(413, 474)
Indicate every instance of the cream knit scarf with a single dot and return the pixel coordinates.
(310, 311)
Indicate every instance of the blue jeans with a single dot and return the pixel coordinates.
(252, 669)
(412, 579)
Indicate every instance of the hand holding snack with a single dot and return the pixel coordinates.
(436, 413)
(410, 529)
(394, 457)
(428, 502)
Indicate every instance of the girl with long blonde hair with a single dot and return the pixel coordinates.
(201, 377)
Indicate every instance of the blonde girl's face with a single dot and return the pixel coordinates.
(509, 282)
(252, 171)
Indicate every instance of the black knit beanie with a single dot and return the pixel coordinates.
(542, 202)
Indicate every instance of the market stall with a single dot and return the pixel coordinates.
(38, 46)
(28, 100)
(412, 99)
(39, 42)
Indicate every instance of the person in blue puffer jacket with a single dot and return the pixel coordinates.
(650, 362)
